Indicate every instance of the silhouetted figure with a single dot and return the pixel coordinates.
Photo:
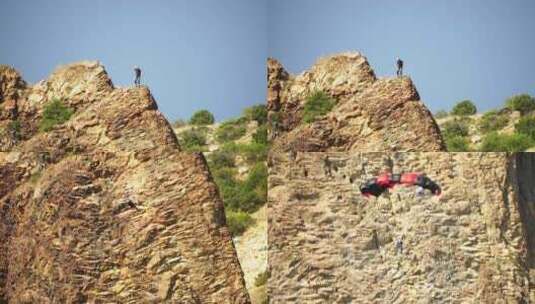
(137, 80)
(399, 64)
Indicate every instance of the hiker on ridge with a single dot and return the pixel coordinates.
(399, 64)
(137, 72)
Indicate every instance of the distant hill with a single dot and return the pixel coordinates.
(236, 151)
(505, 129)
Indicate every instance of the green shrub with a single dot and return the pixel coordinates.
(275, 118)
(14, 128)
(224, 178)
(179, 123)
(457, 144)
(526, 125)
(317, 104)
(493, 121)
(261, 278)
(256, 112)
(222, 158)
(256, 183)
(441, 114)
(456, 127)
(247, 195)
(505, 143)
(192, 139)
(261, 135)
(523, 103)
(238, 222)
(55, 113)
(253, 152)
(463, 108)
(230, 130)
(202, 117)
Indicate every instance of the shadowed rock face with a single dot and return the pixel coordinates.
(106, 208)
(472, 244)
(371, 114)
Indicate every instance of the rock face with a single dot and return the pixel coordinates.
(371, 114)
(473, 244)
(105, 208)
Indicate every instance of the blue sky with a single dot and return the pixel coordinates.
(194, 54)
(483, 50)
(211, 53)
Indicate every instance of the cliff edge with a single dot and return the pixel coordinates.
(105, 207)
(370, 113)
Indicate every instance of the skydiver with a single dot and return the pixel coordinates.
(399, 64)
(137, 73)
(380, 184)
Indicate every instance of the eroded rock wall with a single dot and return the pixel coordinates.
(472, 244)
(371, 114)
(106, 208)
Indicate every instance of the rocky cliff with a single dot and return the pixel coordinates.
(105, 208)
(473, 244)
(370, 114)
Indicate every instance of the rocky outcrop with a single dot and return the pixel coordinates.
(472, 244)
(106, 208)
(371, 114)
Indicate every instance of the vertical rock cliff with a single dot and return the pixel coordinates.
(472, 244)
(371, 114)
(105, 208)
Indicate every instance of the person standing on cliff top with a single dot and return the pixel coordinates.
(399, 64)
(137, 72)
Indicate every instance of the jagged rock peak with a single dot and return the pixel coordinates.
(370, 113)
(105, 205)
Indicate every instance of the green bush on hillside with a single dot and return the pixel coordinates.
(193, 139)
(238, 222)
(247, 195)
(457, 144)
(230, 130)
(201, 118)
(526, 125)
(14, 128)
(505, 142)
(441, 114)
(275, 118)
(254, 152)
(178, 123)
(464, 108)
(55, 113)
(523, 103)
(317, 104)
(261, 135)
(222, 158)
(256, 112)
(493, 121)
(456, 127)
